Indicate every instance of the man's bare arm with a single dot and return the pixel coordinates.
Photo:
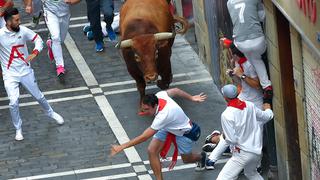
(176, 92)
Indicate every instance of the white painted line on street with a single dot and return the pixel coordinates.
(102, 101)
(117, 128)
(133, 82)
(118, 176)
(98, 90)
(187, 166)
(144, 177)
(51, 100)
(103, 168)
(154, 86)
(80, 62)
(71, 19)
(79, 171)
(50, 92)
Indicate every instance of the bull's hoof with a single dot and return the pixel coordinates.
(162, 85)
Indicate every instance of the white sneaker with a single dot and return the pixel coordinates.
(57, 117)
(19, 136)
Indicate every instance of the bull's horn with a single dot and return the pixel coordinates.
(126, 43)
(163, 35)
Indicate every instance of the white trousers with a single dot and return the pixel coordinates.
(253, 49)
(36, 7)
(11, 85)
(242, 160)
(58, 28)
(218, 150)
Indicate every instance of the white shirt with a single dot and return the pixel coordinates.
(14, 51)
(169, 116)
(249, 93)
(243, 128)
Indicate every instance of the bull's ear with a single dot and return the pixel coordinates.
(162, 43)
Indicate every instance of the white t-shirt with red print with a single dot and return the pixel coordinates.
(14, 51)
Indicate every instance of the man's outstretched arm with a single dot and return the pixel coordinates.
(176, 92)
(115, 149)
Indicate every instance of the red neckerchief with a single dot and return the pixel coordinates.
(237, 103)
(171, 138)
(241, 61)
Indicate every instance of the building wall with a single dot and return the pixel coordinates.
(305, 47)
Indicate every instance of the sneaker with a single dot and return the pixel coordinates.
(61, 73)
(267, 94)
(50, 53)
(57, 117)
(99, 46)
(90, 35)
(201, 165)
(19, 136)
(36, 20)
(209, 137)
(209, 164)
(111, 34)
(60, 70)
(209, 147)
(86, 29)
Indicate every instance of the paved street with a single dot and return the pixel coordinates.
(99, 103)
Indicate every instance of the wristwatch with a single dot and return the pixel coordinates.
(243, 76)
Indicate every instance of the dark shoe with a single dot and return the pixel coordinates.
(111, 34)
(210, 164)
(86, 29)
(90, 35)
(201, 165)
(99, 46)
(209, 147)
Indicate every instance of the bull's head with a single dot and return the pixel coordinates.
(145, 49)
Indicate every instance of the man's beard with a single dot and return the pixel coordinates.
(15, 29)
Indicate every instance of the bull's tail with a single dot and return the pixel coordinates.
(182, 24)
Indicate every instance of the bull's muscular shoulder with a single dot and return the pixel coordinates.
(156, 11)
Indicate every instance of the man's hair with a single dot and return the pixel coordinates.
(236, 51)
(8, 13)
(150, 99)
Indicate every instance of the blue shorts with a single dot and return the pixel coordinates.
(184, 144)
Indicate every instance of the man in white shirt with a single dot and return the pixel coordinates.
(250, 91)
(16, 68)
(248, 35)
(169, 120)
(57, 17)
(242, 123)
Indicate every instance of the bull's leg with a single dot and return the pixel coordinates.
(141, 86)
(164, 70)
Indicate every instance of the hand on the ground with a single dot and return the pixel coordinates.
(30, 57)
(199, 98)
(237, 71)
(115, 149)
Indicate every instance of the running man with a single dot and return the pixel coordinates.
(57, 17)
(16, 67)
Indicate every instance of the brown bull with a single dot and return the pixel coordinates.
(147, 34)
